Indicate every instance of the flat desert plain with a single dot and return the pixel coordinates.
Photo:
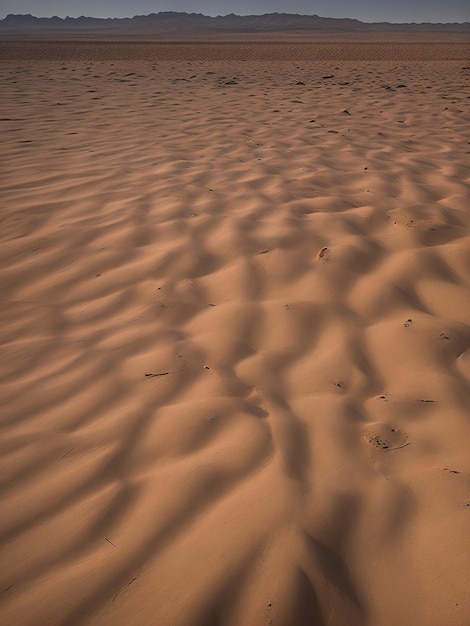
(235, 323)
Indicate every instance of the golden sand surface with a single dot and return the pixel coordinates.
(235, 327)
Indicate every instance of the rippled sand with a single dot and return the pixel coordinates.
(235, 334)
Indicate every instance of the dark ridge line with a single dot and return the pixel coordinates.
(171, 23)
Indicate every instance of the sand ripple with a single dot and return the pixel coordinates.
(236, 343)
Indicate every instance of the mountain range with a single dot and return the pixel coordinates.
(174, 24)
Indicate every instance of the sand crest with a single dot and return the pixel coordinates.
(235, 340)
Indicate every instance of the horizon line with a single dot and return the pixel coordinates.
(127, 17)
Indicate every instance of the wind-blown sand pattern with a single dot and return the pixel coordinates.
(236, 342)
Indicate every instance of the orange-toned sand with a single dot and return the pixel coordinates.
(235, 371)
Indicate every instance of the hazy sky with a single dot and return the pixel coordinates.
(365, 10)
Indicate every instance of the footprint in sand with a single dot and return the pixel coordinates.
(385, 437)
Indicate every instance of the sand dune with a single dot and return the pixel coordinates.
(235, 341)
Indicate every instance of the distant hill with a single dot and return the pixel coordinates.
(183, 24)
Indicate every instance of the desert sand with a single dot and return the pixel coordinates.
(235, 326)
